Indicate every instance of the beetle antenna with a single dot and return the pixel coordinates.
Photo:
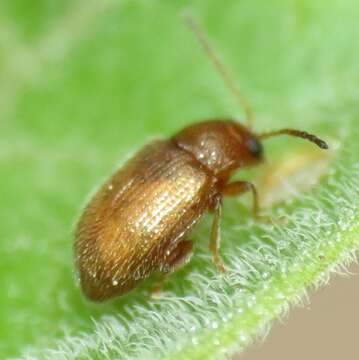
(297, 133)
(213, 56)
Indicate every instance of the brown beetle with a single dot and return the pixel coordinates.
(139, 220)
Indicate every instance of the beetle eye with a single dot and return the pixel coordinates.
(255, 147)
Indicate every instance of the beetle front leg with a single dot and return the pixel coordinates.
(214, 243)
(239, 187)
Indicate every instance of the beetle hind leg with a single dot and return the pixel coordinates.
(178, 257)
(175, 259)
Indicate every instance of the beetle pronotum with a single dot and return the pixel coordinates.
(139, 220)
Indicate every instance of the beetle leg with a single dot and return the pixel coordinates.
(177, 257)
(240, 187)
(215, 239)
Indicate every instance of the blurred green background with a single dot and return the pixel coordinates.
(85, 83)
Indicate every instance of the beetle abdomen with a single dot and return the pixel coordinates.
(138, 216)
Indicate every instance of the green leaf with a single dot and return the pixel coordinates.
(83, 84)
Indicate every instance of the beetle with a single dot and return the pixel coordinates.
(139, 220)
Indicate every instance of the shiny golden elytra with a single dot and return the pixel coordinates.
(138, 222)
